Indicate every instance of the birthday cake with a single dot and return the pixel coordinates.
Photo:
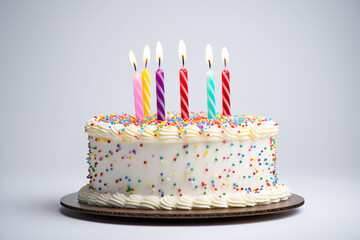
(195, 163)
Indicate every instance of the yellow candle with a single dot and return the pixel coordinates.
(146, 83)
(146, 91)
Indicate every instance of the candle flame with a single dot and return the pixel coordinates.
(146, 56)
(209, 54)
(182, 50)
(132, 58)
(159, 51)
(225, 54)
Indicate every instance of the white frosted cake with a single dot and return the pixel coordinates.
(182, 164)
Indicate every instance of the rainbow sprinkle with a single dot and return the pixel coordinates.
(174, 119)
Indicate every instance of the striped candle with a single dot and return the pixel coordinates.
(160, 93)
(145, 75)
(210, 94)
(137, 89)
(138, 96)
(225, 76)
(210, 84)
(184, 93)
(184, 100)
(160, 90)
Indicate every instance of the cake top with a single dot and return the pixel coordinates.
(174, 128)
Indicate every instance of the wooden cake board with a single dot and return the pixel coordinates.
(71, 202)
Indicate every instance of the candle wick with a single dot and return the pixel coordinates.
(135, 67)
(225, 62)
(146, 62)
(159, 62)
(209, 64)
(183, 60)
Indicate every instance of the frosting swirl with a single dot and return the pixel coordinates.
(241, 199)
(151, 202)
(133, 201)
(149, 134)
(132, 132)
(185, 203)
(118, 200)
(103, 200)
(262, 198)
(236, 200)
(192, 133)
(202, 203)
(249, 199)
(230, 132)
(169, 134)
(244, 133)
(218, 202)
(213, 134)
(167, 203)
(92, 198)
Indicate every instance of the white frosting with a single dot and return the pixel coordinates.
(244, 133)
(168, 203)
(149, 134)
(103, 200)
(229, 132)
(213, 134)
(132, 132)
(249, 200)
(186, 203)
(133, 201)
(151, 202)
(117, 200)
(169, 167)
(169, 134)
(116, 130)
(202, 202)
(218, 202)
(262, 198)
(190, 133)
(236, 200)
(280, 193)
(92, 198)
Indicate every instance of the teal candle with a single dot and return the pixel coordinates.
(210, 94)
(210, 84)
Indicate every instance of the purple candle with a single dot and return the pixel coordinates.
(160, 90)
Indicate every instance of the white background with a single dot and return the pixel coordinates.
(62, 62)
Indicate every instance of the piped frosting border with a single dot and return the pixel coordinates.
(273, 195)
(175, 129)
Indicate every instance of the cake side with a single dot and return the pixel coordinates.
(197, 163)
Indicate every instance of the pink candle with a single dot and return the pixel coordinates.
(139, 112)
(138, 96)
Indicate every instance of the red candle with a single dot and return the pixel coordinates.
(225, 76)
(183, 83)
(184, 93)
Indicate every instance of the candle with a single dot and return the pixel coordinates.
(146, 82)
(183, 82)
(160, 91)
(210, 84)
(137, 89)
(225, 75)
